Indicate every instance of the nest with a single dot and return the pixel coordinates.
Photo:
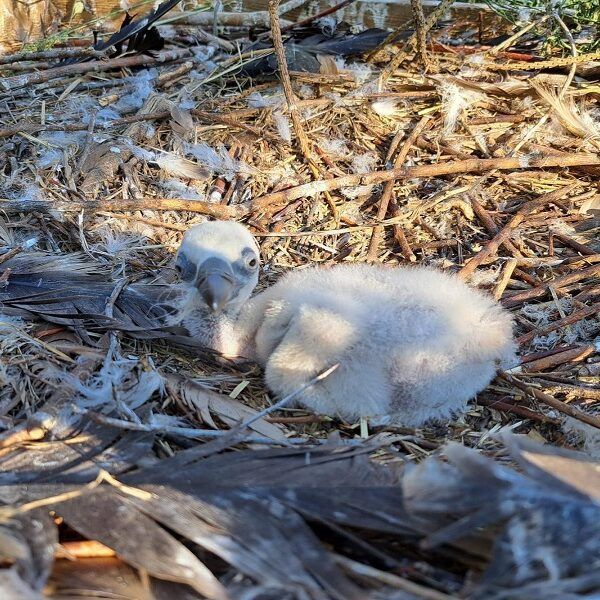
(475, 167)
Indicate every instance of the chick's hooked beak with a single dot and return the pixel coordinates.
(215, 283)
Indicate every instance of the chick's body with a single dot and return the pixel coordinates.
(412, 344)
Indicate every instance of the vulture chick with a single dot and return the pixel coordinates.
(411, 344)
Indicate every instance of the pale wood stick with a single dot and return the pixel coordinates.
(558, 282)
(562, 407)
(472, 165)
(507, 272)
(19, 81)
(494, 244)
(389, 187)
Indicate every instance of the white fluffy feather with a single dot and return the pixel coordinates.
(218, 161)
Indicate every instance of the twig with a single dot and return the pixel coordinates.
(507, 272)
(561, 358)
(473, 165)
(259, 18)
(527, 358)
(406, 50)
(559, 282)
(574, 244)
(287, 399)
(286, 82)
(517, 410)
(19, 81)
(573, 68)
(421, 31)
(488, 222)
(207, 117)
(494, 244)
(11, 253)
(562, 407)
(319, 15)
(400, 238)
(389, 187)
(292, 101)
(54, 54)
(390, 579)
(574, 317)
(305, 420)
(571, 391)
(218, 211)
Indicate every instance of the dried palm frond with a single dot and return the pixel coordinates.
(253, 509)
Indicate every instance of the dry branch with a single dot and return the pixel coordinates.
(574, 317)
(557, 283)
(562, 407)
(494, 244)
(473, 165)
(560, 358)
(388, 192)
(9, 84)
(522, 411)
(218, 211)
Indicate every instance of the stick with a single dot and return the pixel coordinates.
(578, 315)
(488, 222)
(421, 31)
(284, 74)
(207, 117)
(319, 15)
(561, 358)
(559, 282)
(54, 54)
(473, 165)
(400, 238)
(11, 253)
(574, 244)
(405, 51)
(507, 272)
(492, 246)
(389, 188)
(517, 410)
(287, 399)
(18, 81)
(390, 579)
(292, 101)
(562, 407)
(259, 18)
(218, 211)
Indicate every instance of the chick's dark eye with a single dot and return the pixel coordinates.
(252, 263)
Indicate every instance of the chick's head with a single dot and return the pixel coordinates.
(220, 259)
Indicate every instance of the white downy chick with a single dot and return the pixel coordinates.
(412, 344)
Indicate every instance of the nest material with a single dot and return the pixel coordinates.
(500, 183)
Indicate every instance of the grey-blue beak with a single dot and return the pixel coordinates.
(215, 283)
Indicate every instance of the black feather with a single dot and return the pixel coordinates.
(141, 36)
(131, 29)
(301, 52)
